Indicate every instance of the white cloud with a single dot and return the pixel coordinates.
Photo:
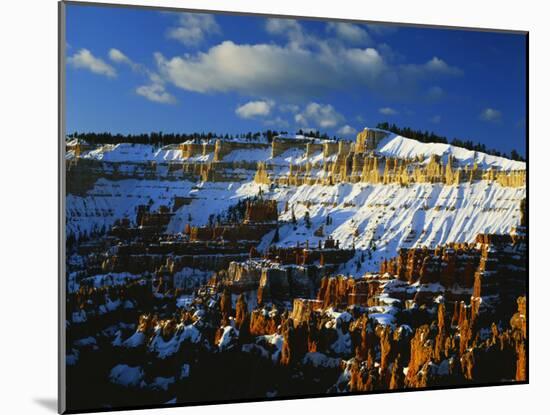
(323, 116)
(305, 65)
(297, 37)
(436, 119)
(193, 28)
(346, 130)
(285, 27)
(440, 66)
(389, 53)
(490, 114)
(349, 32)
(269, 69)
(117, 56)
(86, 60)
(429, 69)
(254, 109)
(156, 92)
(387, 111)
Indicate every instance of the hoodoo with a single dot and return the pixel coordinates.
(383, 263)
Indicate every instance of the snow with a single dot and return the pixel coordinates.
(317, 359)
(76, 141)
(184, 334)
(294, 137)
(384, 319)
(228, 338)
(342, 345)
(71, 358)
(385, 217)
(135, 340)
(184, 301)
(339, 317)
(275, 340)
(391, 216)
(79, 316)
(109, 306)
(137, 153)
(396, 286)
(111, 279)
(405, 330)
(185, 371)
(430, 288)
(401, 147)
(393, 146)
(110, 200)
(125, 375)
(248, 155)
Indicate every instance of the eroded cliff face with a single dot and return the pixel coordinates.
(343, 291)
(452, 315)
(292, 268)
(353, 337)
(491, 268)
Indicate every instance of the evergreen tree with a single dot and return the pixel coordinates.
(307, 220)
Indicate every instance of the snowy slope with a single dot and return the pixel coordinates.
(401, 147)
(391, 146)
(135, 153)
(385, 217)
(391, 216)
(110, 200)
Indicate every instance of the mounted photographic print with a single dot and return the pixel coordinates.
(264, 207)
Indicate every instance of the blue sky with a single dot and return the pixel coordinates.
(141, 70)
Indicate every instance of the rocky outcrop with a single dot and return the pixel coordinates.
(224, 147)
(342, 291)
(280, 320)
(501, 271)
(231, 233)
(280, 145)
(264, 322)
(240, 277)
(303, 309)
(226, 307)
(278, 284)
(262, 176)
(295, 342)
(241, 312)
(261, 211)
(449, 265)
(368, 139)
(491, 268)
